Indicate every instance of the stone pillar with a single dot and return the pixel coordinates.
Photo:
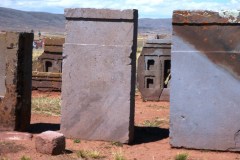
(154, 65)
(205, 85)
(15, 80)
(99, 74)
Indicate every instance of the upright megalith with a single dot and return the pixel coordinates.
(99, 74)
(15, 80)
(205, 84)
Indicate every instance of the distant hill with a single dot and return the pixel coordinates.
(15, 20)
(147, 25)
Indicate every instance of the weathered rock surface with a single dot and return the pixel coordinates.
(99, 74)
(205, 85)
(50, 142)
(15, 80)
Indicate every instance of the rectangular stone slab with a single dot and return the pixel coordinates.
(2, 64)
(205, 84)
(99, 77)
(15, 103)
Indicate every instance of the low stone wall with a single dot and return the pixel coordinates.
(46, 81)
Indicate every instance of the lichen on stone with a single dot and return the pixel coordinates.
(231, 15)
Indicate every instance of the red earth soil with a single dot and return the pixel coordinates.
(151, 143)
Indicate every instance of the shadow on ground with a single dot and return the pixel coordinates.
(149, 134)
(42, 127)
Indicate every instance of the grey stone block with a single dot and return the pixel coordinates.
(205, 85)
(99, 78)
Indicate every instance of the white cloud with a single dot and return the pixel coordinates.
(147, 8)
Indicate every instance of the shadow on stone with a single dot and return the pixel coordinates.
(42, 127)
(149, 134)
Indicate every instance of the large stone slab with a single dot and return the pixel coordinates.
(99, 74)
(205, 85)
(15, 83)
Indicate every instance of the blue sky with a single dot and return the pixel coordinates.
(146, 8)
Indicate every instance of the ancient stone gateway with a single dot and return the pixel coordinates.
(154, 66)
(48, 76)
(52, 55)
(205, 85)
(99, 74)
(15, 80)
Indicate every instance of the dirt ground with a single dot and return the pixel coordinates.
(151, 139)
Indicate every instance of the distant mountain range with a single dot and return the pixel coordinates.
(15, 20)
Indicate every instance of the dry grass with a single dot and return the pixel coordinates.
(35, 62)
(118, 156)
(157, 106)
(181, 156)
(36, 54)
(46, 105)
(156, 122)
(91, 154)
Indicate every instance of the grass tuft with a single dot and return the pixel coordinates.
(156, 122)
(118, 144)
(118, 156)
(77, 141)
(181, 156)
(25, 158)
(89, 154)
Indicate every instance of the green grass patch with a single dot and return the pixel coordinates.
(77, 141)
(156, 122)
(25, 158)
(46, 105)
(181, 156)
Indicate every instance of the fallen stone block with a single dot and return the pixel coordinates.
(50, 142)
